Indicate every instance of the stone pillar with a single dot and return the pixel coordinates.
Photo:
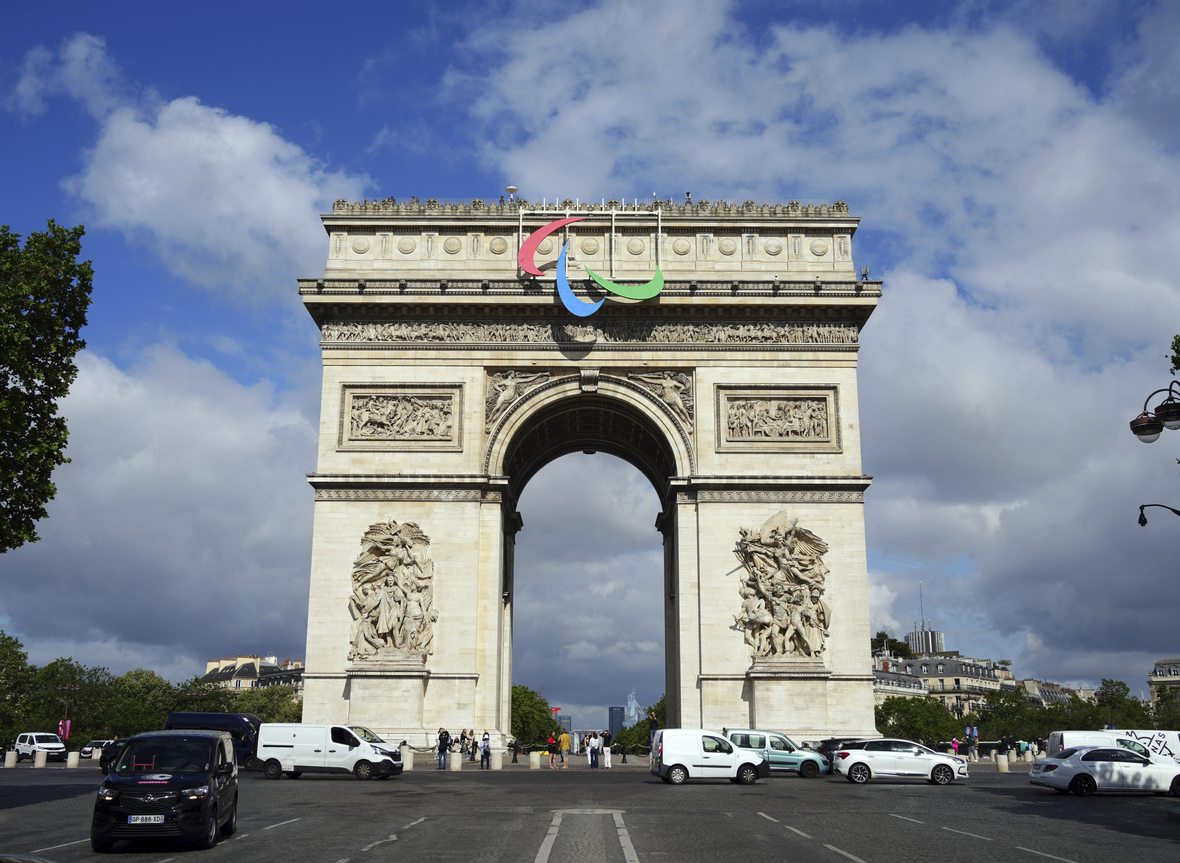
(1002, 764)
(534, 761)
(96, 755)
(497, 759)
(10, 758)
(72, 759)
(407, 757)
(455, 761)
(39, 758)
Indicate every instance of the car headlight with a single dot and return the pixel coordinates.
(195, 793)
(108, 794)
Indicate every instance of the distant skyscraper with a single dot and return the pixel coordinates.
(926, 641)
(633, 713)
(566, 721)
(616, 720)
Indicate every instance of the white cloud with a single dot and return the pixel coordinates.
(181, 529)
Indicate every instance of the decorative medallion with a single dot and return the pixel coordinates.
(727, 246)
(589, 245)
(406, 245)
(635, 246)
(360, 245)
(774, 247)
(682, 247)
(498, 246)
(452, 245)
(545, 247)
(819, 248)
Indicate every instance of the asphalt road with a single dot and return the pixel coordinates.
(622, 815)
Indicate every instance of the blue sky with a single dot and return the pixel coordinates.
(1015, 165)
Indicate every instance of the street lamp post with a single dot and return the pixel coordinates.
(1149, 425)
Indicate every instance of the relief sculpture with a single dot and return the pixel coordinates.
(392, 601)
(505, 388)
(783, 610)
(381, 417)
(771, 419)
(674, 390)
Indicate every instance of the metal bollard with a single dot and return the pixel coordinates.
(407, 757)
(10, 758)
(497, 759)
(72, 759)
(39, 758)
(534, 761)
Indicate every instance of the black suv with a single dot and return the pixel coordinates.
(110, 754)
(169, 784)
(827, 748)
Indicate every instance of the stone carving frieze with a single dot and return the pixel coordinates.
(776, 419)
(672, 388)
(783, 614)
(620, 332)
(504, 388)
(392, 600)
(389, 417)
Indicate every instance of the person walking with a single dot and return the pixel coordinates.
(586, 746)
(565, 749)
(444, 744)
(552, 745)
(955, 745)
(972, 747)
(606, 750)
(653, 725)
(485, 751)
(594, 750)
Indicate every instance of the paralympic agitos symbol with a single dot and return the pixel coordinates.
(581, 308)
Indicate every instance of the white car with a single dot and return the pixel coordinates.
(680, 754)
(868, 759)
(28, 745)
(87, 751)
(1086, 769)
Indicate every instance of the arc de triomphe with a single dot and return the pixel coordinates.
(452, 374)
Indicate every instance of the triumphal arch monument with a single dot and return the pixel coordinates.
(711, 345)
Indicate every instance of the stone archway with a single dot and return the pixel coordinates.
(450, 380)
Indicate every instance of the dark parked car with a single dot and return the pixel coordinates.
(169, 784)
(827, 747)
(110, 754)
(243, 727)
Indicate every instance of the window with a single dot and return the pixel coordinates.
(941, 668)
(343, 736)
(879, 746)
(941, 684)
(1101, 755)
(779, 744)
(958, 683)
(925, 669)
(715, 744)
(1134, 747)
(909, 669)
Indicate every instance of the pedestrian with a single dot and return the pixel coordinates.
(444, 744)
(594, 750)
(565, 749)
(485, 751)
(586, 743)
(606, 750)
(955, 745)
(972, 747)
(552, 745)
(653, 725)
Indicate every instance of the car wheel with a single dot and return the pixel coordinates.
(100, 846)
(1175, 789)
(1083, 786)
(272, 769)
(363, 770)
(230, 827)
(941, 775)
(677, 775)
(747, 775)
(210, 838)
(859, 773)
(295, 774)
(809, 770)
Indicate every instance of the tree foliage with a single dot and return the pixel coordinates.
(882, 641)
(44, 295)
(639, 734)
(532, 720)
(1175, 355)
(924, 720)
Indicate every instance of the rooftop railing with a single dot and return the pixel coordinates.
(477, 206)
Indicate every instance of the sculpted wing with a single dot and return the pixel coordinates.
(808, 543)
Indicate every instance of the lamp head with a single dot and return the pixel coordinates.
(1147, 427)
(1142, 518)
(1169, 413)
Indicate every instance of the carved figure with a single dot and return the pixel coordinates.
(674, 389)
(389, 417)
(776, 419)
(392, 602)
(507, 387)
(783, 613)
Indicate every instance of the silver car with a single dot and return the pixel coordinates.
(868, 759)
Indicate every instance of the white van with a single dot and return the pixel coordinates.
(28, 745)
(679, 754)
(295, 749)
(1156, 745)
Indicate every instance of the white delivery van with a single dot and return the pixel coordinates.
(1156, 745)
(679, 754)
(295, 749)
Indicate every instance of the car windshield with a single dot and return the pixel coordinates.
(365, 734)
(46, 738)
(163, 756)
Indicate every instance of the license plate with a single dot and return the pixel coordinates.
(145, 819)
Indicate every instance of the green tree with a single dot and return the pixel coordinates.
(44, 295)
(532, 720)
(16, 677)
(882, 641)
(270, 703)
(139, 701)
(639, 734)
(1118, 709)
(919, 719)
(1175, 355)
(65, 685)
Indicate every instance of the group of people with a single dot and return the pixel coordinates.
(596, 745)
(466, 745)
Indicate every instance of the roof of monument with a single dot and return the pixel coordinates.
(477, 207)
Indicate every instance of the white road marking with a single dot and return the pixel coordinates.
(1043, 854)
(550, 838)
(797, 830)
(344, 860)
(768, 818)
(280, 824)
(167, 860)
(625, 839)
(845, 853)
(371, 845)
(903, 818)
(243, 836)
(63, 845)
(624, 835)
(412, 823)
(965, 833)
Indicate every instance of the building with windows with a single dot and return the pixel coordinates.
(566, 721)
(250, 672)
(1044, 692)
(926, 641)
(1166, 673)
(891, 679)
(615, 722)
(959, 682)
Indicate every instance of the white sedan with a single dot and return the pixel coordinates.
(1086, 769)
(867, 759)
